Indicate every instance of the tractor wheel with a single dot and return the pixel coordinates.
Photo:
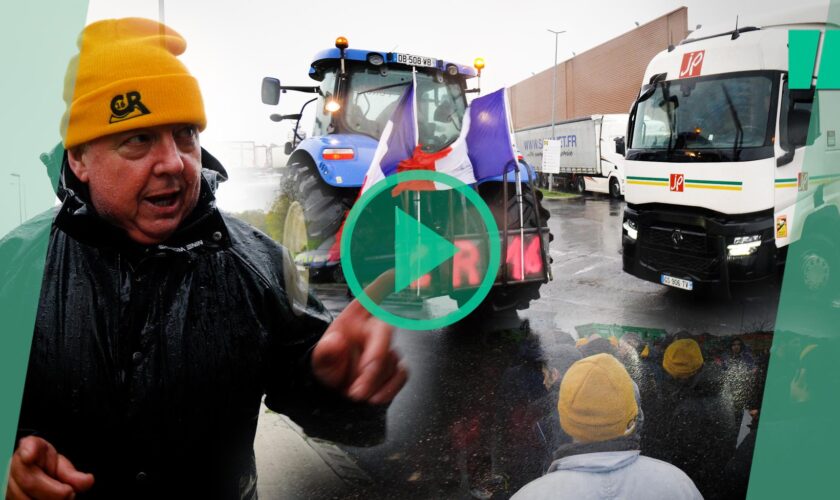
(517, 296)
(309, 210)
(580, 185)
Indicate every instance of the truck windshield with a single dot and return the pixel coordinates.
(373, 94)
(715, 118)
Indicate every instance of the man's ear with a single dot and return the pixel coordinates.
(75, 157)
(555, 375)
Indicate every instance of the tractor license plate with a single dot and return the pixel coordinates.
(411, 60)
(676, 282)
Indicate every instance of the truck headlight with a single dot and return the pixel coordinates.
(630, 227)
(744, 245)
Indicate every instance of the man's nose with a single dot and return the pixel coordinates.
(168, 159)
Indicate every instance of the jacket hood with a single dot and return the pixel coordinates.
(606, 461)
(626, 443)
(708, 382)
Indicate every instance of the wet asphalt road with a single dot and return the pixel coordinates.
(448, 435)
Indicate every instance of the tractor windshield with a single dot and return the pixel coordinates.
(373, 94)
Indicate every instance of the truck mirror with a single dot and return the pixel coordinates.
(620, 146)
(288, 148)
(270, 90)
(798, 121)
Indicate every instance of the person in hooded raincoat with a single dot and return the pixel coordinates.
(598, 408)
(162, 322)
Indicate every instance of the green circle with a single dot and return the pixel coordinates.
(493, 240)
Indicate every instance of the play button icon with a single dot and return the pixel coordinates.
(420, 259)
(418, 250)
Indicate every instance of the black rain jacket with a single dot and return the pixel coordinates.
(148, 363)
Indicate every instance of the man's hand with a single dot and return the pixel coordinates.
(355, 357)
(38, 471)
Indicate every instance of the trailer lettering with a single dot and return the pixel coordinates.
(533, 258)
(465, 264)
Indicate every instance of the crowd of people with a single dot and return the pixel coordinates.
(629, 417)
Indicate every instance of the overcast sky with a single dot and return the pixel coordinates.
(232, 45)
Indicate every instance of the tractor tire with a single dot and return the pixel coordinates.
(314, 210)
(512, 297)
(615, 188)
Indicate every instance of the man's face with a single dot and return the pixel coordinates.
(145, 181)
(736, 348)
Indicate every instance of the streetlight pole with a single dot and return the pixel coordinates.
(20, 198)
(553, 97)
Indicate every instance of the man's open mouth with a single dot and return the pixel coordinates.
(164, 200)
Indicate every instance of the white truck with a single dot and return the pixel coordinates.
(716, 188)
(588, 152)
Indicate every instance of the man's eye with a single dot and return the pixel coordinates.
(137, 140)
(186, 132)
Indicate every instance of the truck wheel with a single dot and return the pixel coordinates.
(581, 185)
(308, 210)
(517, 296)
(817, 266)
(615, 188)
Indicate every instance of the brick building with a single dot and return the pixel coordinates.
(604, 79)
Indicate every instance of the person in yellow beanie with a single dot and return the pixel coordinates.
(163, 322)
(697, 428)
(682, 358)
(599, 408)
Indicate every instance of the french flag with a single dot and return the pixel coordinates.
(483, 149)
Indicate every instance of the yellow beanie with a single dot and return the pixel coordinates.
(127, 76)
(597, 401)
(682, 358)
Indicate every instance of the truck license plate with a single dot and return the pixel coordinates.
(676, 282)
(412, 60)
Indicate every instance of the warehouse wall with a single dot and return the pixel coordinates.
(604, 79)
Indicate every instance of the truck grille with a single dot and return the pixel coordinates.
(673, 249)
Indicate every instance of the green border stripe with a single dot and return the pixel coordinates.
(33, 84)
(785, 181)
(797, 443)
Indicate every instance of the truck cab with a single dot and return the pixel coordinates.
(715, 149)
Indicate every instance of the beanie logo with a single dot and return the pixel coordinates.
(127, 106)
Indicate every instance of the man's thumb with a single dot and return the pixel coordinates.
(330, 359)
(67, 473)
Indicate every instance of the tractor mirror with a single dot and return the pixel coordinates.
(270, 90)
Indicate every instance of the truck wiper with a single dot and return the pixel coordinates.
(739, 135)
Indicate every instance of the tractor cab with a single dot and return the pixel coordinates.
(360, 99)
(358, 91)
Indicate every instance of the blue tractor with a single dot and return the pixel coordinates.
(356, 94)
